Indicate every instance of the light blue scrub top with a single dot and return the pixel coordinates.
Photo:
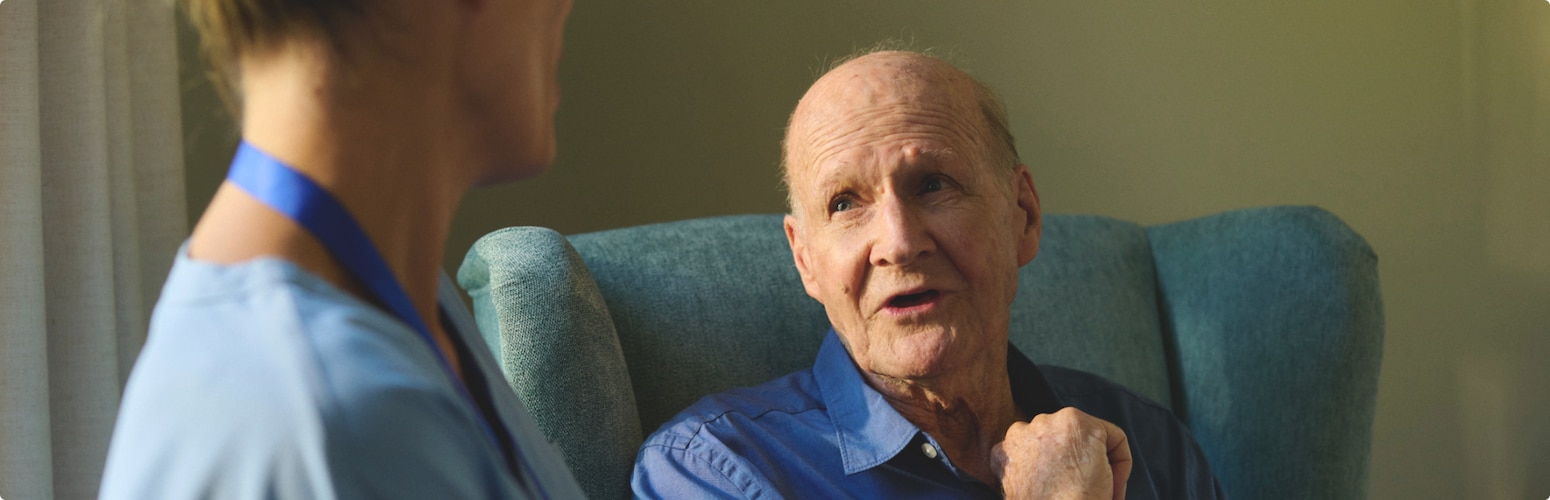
(261, 380)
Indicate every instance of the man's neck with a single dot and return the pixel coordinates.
(968, 411)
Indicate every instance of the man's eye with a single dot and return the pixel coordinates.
(932, 185)
(841, 204)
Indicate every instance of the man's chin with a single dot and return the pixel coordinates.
(920, 355)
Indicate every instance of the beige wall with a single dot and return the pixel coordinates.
(1425, 125)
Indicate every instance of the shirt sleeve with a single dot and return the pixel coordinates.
(185, 438)
(666, 470)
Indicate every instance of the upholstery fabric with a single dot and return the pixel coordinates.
(1089, 301)
(1219, 318)
(1275, 316)
(537, 308)
(690, 296)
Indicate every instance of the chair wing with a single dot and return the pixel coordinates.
(1276, 320)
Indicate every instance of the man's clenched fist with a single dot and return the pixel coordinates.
(1064, 455)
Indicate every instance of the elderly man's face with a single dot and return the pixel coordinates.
(901, 228)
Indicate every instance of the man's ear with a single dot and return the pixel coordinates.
(799, 255)
(1033, 225)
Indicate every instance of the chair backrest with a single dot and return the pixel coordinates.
(606, 335)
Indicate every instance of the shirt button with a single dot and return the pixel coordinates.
(929, 450)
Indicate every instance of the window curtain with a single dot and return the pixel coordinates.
(91, 213)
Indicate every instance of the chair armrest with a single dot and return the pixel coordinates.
(541, 312)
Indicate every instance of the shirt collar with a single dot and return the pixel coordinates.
(870, 432)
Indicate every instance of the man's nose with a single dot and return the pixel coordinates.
(899, 236)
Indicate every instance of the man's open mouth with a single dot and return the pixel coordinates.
(913, 299)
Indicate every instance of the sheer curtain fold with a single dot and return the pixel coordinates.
(92, 211)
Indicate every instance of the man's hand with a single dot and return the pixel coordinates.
(1068, 454)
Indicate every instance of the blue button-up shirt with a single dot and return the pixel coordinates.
(824, 433)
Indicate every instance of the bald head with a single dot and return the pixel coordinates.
(896, 92)
(910, 215)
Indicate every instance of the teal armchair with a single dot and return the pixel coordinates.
(1261, 329)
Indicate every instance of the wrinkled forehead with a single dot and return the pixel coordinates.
(883, 98)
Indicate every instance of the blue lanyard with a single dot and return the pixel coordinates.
(296, 196)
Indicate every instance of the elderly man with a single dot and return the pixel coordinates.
(910, 216)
